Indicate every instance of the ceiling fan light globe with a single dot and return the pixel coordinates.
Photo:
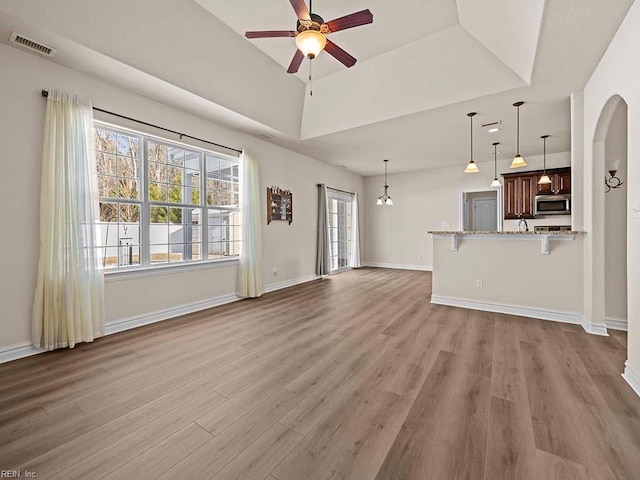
(311, 43)
(544, 180)
(471, 167)
(518, 162)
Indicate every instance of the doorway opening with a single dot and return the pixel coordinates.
(480, 210)
(607, 307)
(340, 235)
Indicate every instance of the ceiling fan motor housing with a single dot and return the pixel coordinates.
(315, 23)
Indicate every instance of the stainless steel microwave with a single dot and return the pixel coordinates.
(552, 205)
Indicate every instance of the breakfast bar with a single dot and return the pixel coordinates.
(532, 274)
(542, 237)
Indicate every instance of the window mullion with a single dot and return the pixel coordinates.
(146, 210)
(204, 216)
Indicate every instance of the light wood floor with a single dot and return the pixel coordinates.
(354, 377)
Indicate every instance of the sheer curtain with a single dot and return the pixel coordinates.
(323, 265)
(250, 282)
(354, 261)
(69, 299)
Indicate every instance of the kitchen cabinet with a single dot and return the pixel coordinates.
(519, 192)
(521, 188)
(560, 182)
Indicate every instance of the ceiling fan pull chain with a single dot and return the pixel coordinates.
(310, 79)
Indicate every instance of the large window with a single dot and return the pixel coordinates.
(340, 235)
(162, 202)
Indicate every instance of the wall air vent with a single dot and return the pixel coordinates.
(32, 45)
(264, 135)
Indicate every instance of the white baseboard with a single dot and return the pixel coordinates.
(553, 315)
(617, 324)
(594, 328)
(631, 377)
(290, 283)
(398, 266)
(15, 352)
(25, 350)
(160, 315)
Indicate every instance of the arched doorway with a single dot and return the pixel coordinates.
(615, 220)
(606, 299)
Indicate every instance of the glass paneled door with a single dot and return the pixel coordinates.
(339, 212)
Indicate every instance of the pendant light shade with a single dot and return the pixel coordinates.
(496, 182)
(518, 161)
(544, 179)
(471, 167)
(385, 199)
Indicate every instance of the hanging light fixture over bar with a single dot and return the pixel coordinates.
(518, 161)
(544, 179)
(471, 167)
(496, 182)
(385, 199)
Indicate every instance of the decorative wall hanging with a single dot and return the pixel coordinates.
(279, 205)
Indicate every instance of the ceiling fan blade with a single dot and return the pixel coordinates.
(270, 34)
(340, 55)
(295, 63)
(301, 9)
(349, 21)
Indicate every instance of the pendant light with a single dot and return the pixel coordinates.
(472, 167)
(496, 182)
(385, 199)
(544, 179)
(518, 161)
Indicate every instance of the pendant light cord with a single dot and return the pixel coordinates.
(518, 130)
(471, 130)
(495, 160)
(386, 185)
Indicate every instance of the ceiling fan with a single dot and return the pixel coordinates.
(311, 31)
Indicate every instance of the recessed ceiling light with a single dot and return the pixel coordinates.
(493, 130)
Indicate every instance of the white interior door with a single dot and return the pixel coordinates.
(485, 218)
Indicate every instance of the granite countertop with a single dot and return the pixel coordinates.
(452, 232)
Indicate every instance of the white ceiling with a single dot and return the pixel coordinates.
(422, 65)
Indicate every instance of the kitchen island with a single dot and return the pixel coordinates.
(532, 274)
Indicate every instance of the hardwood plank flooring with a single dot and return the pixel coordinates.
(354, 377)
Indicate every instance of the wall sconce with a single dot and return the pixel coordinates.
(613, 181)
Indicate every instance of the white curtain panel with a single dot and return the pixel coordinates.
(68, 307)
(355, 232)
(323, 265)
(250, 282)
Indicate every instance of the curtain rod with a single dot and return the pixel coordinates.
(338, 190)
(181, 135)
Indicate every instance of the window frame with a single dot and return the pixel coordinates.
(145, 266)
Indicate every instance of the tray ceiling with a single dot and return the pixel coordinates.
(421, 67)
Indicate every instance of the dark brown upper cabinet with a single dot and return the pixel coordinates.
(521, 188)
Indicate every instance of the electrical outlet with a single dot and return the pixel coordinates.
(479, 283)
